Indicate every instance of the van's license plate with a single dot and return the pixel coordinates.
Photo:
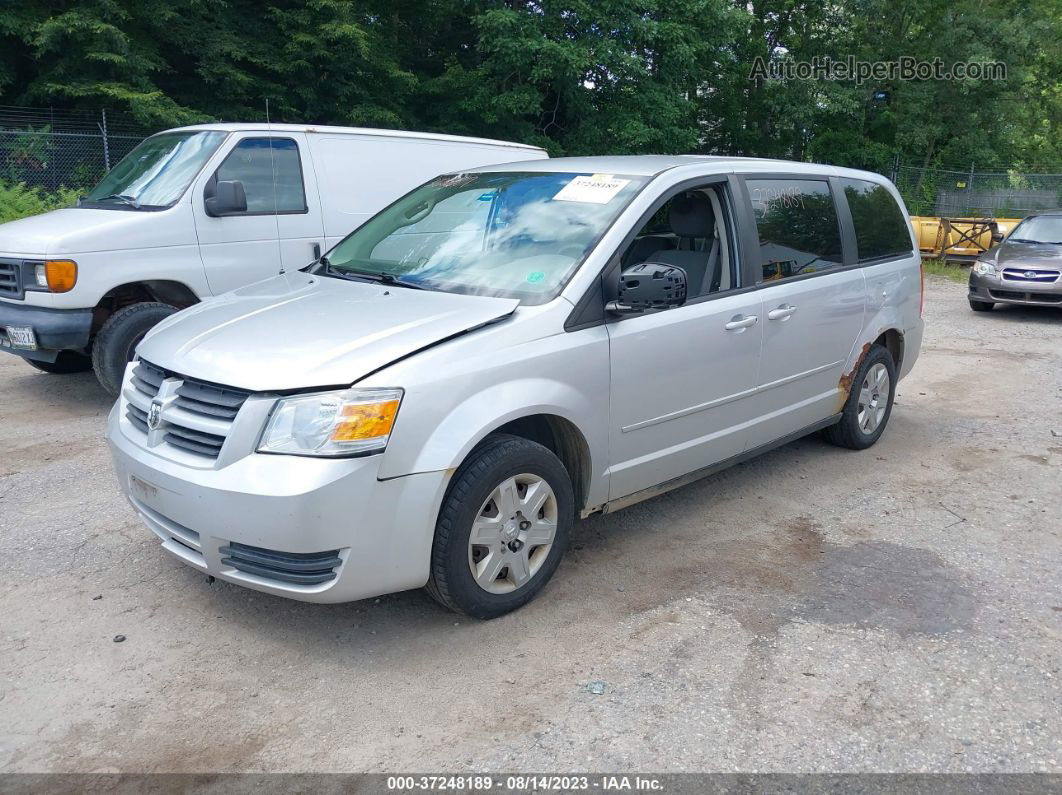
(22, 337)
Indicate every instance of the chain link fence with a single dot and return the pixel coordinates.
(977, 194)
(52, 149)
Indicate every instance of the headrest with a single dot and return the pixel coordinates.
(692, 216)
(645, 247)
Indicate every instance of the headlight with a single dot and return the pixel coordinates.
(982, 268)
(56, 275)
(347, 422)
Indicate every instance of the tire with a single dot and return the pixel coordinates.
(852, 431)
(981, 306)
(501, 459)
(67, 362)
(117, 340)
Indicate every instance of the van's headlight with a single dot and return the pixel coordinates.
(56, 275)
(347, 422)
(983, 268)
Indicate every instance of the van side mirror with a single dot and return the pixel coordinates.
(229, 198)
(649, 285)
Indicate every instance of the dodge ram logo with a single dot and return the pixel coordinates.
(154, 416)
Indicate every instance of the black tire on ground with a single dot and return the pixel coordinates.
(116, 342)
(67, 362)
(981, 306)
(499, 457)
(849, 432)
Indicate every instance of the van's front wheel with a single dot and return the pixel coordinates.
(115, 344)
(503, 528)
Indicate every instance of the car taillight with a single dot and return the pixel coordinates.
(921, 288)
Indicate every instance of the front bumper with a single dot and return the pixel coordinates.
(995, 290)
(56, 329)
(382, 530)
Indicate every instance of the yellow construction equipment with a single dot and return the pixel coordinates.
(959, 239)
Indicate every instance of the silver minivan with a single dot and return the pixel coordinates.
(504, 350)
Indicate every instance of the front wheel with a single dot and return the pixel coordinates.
(115, 344)
(869, 405)
(65, 363)
(503, 528)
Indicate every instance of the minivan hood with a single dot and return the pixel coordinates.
(299, 331)
(77, 230)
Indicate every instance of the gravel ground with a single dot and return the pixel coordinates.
(813, 610)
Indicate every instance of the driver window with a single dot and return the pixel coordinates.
(689, 232)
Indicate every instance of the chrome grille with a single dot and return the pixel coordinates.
(1030, 275)
(196, 420)
(10, 278)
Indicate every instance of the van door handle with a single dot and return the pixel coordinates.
(740, 322)
(783, 312)
(316, 251)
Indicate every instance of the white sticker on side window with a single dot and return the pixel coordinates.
(594, 189)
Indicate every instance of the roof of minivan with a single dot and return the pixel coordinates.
(326, 129)
(651, 165)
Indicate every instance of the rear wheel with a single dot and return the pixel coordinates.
(869, 404)
(503, 528)
(981, 306)
(117, 340)
(65, 363)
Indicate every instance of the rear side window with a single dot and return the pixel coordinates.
(880, 226)
(797, 224)
(254, 161)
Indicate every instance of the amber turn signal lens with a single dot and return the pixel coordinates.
(61, 275)
(365, 421)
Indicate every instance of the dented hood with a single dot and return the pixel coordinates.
(300, 331)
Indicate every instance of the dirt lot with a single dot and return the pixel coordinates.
(816, 609)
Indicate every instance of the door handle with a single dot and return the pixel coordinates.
(316, 251)
(783, 312)
(741, 322)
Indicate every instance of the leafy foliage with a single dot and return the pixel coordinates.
(573, 76)
(18, 201)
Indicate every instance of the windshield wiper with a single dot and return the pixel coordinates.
(124, 198)
(372, 276)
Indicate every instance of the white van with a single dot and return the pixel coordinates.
(195, 212)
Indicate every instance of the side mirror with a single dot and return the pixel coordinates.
(229, 198)
(997, 237)
(649, 285)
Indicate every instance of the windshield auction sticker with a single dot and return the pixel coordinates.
(593, 189)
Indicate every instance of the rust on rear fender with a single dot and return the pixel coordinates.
(844, 386)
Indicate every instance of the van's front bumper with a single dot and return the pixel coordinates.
(297, 514)
(54, 329)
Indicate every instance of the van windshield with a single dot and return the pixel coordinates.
(508, 234)
(156, 173)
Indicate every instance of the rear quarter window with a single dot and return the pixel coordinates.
(881, 228)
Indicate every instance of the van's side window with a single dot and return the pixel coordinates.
(689, 232)
(797, 224)
(254, 162)
(880, 226)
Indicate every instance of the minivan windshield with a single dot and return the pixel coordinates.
(1039, 229)
(509, 234)
(156, 173)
